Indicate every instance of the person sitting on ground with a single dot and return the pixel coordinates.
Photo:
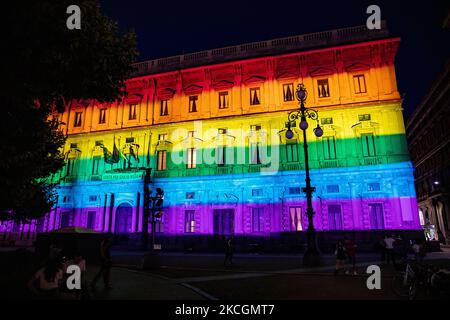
(46, 281)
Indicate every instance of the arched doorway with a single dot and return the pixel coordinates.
(124, 215)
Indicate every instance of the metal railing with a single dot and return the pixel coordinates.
(275, 46)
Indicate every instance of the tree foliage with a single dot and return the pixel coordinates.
(46, 67)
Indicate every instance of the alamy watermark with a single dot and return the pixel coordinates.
(74, 20)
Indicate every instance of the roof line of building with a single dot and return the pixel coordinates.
(412, 124)
(261, 48)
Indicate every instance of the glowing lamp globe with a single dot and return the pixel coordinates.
(301, 94)
(289, 134)
(318, 131)
(304, 124)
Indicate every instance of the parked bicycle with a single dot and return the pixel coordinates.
(414, 276)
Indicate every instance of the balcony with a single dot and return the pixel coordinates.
(256, 167)
(223, 170)
(371, 161)
(161, 174)
(330, 163)
(96, 177)
(191, 172)
(254, 49)
(292, 166)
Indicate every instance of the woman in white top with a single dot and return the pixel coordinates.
(46, 281)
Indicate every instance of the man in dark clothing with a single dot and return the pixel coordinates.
(350, 248)
(106, 263)
(229, 250)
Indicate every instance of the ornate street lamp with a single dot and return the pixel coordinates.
(312, 255)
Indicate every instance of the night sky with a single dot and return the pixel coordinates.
(166, 28)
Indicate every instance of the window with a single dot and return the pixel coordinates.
(92, 198)
(162, 137)
(132, 114)
(102, 116)
(326, 121)
(364, 117)
(257, 219)
(91, 219)
(193, 103)
(95, 165)
(191, 158)
(291, 152)
(70, 167)
(77, 122)
(323, 88)
(129, 140)
(223, 100)
(333, 188)
(164, 108)
(65, 219)
(190, 195)
(257, 192)
(288, 92)
(73, 145)
(295, 190)
(373, 186)
(162, 160)
(66, 199)
(159, 225)
(334, 217)
(376, 216)
(255, 153)
(368, 145)
(189, 221)
(329, 147)
(359, 82)
(295, 214)
(99, 143)
(222, 131)
(255, 97)
(255, 127)
(221, 155)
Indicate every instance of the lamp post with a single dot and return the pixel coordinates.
(312, 255)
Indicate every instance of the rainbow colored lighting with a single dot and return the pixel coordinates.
(214, 137)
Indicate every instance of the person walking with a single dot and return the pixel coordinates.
(419, 250)
(229, 250)
(389, 242)
(341, 256)
(350, 249)
(106, 263)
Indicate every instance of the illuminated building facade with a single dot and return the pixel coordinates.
(211, 126)
(428, 137)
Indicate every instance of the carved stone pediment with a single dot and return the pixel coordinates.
(254, 79)
(223, 84)
(193, 89)
(287, 75)
(321, 71)
(358, 66)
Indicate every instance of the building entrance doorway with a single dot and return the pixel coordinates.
(124, 216)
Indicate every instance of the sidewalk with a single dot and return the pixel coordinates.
(136, 285)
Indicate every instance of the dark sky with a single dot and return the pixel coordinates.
(166, 28)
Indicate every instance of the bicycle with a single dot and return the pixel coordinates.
(405, 282)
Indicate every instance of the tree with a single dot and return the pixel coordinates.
(45, 68)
